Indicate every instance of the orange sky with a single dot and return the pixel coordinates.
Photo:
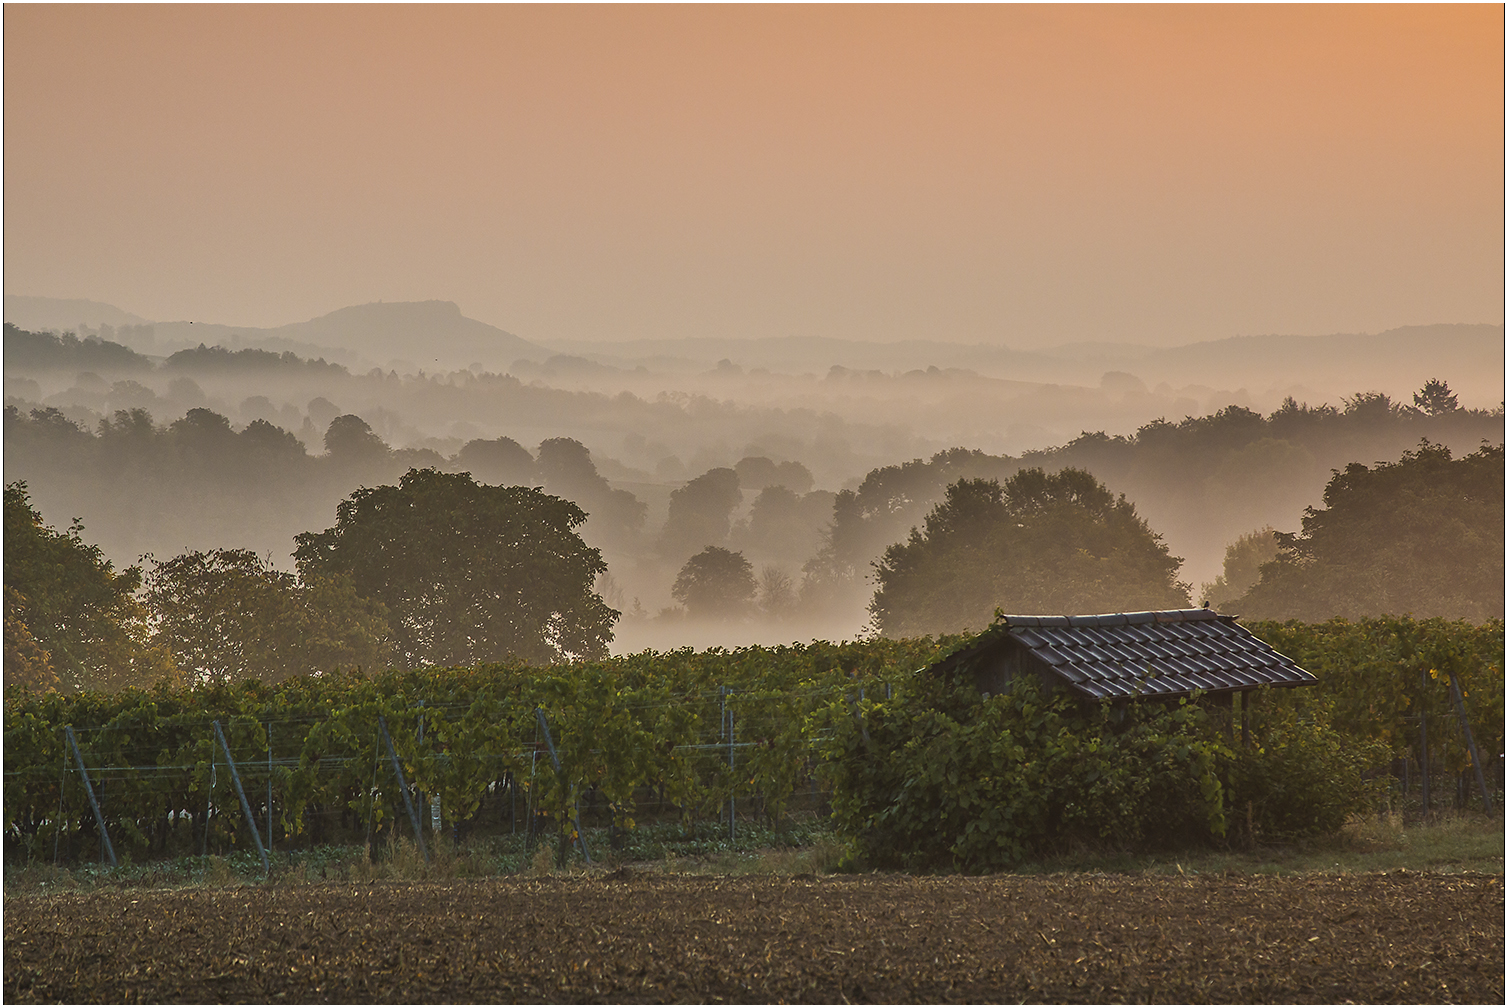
(1017, 175)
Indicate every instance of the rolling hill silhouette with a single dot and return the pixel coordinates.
(428, 335)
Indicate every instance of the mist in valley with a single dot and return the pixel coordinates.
(795, 455)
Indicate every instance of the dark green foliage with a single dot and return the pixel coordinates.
(468, 573)
(1039, 543)
(1378, 675)
(228, 615)
(1420, 536)
(947, 779)
(942, 778)
(938, 777)
(74, 604)
(1301, 778)
(647, 721)
(717, 583)
(27, 663)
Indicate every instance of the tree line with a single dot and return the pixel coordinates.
(443, 570)
(1422, 536)
(947, 540)
(259, 486)
(436, 571)
(667, 435)
(1204, 482)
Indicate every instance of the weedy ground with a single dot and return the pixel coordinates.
(1446, 842)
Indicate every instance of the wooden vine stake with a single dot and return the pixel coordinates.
(1458, 699)
(408, 804)
(251, 820)
(555, 758)
(99, 817)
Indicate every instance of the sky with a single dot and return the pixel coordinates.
(1025, 176)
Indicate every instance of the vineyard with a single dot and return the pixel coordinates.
(697, 737)
(689, 732)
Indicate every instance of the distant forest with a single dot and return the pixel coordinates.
(153, 459)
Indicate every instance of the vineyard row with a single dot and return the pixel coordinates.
(695, 730)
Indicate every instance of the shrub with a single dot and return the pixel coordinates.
(1301, 779)
(939, 777)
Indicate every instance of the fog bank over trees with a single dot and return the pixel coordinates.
(941, 394)
(802, 460)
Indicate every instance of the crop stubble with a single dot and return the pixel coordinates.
(1404, 937)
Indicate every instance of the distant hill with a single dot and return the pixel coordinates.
(1322, 368)
(434, 335)
(426, 335)
(63, 314)
(1469, 357)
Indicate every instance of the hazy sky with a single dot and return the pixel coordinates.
(1019, 175)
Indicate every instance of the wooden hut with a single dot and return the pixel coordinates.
(1125, 656)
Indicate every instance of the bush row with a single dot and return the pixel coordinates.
(919, 770)
(660, 721)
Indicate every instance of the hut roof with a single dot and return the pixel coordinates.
(1138, 654)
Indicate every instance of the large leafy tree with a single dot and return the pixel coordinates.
(1039, 543)
(228, 615)
(1420, 536)
(701, 512)
(716, 583)
(468, 573)
(69, 609)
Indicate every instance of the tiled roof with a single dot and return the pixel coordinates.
(1142, 653)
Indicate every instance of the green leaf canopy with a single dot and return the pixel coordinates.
(469, 573)
(74, 605)
(1421, 536)
(1039, 543)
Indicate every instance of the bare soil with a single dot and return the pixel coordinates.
(1399, 936)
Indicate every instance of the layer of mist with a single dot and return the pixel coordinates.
(807, 456)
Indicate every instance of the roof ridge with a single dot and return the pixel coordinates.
(1110, 619)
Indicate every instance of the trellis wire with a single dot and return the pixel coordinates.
(186, 772)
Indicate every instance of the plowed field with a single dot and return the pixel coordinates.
(628, 937)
